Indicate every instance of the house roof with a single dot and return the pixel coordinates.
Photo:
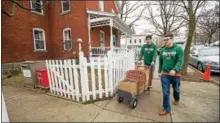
(99, 18)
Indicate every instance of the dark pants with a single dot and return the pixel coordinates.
(151, 74)
(166, 80)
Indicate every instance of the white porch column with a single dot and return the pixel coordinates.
(111, 39)
(89, 35)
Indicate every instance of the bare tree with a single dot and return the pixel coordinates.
(208, 23)
(9, 6)
(169, 16)
(191, 8)
(129, 13)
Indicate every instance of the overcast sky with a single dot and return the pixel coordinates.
(143, 24)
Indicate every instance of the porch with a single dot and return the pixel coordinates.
(104, 32)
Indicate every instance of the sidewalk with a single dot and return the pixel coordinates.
(199, 103)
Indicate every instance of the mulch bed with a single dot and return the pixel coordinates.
(194, 77)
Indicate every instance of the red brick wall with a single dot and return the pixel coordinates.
(108, 6)
(76, 20)
(17, 34)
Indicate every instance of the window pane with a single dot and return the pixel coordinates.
(36, 5)
(68, 44)
(66, 5)
(39, 44)
(67, 35)
(38, 35)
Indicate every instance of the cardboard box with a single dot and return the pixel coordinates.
(146, 69)
(130, 86)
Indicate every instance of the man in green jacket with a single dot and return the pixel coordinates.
(170, 65)
(149, 51)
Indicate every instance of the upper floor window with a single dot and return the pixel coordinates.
(37, 6)
(135, 41)
(65, 4)
(101, 5)
(67, 40)
(39, 39)
(130, 41)
(139, 40)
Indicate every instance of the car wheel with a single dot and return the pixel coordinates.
(200, 67)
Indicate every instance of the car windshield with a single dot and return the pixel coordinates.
(209, 52)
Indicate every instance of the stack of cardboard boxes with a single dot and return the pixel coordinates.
(135, 81)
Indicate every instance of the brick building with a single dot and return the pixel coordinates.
(52, 32)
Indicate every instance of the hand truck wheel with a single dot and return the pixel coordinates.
(133, 103)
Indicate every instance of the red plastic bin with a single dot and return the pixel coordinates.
(42, 78)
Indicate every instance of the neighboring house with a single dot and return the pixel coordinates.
(52, 32)
(135, 41)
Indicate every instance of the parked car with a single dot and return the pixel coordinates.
(216, 43)
(205, 56)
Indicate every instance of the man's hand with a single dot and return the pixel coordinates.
(172, 72)
(152, 63)
(160, 74)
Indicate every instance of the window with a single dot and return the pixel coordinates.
(39, 39)
(135, 41)
(65, 4)
(130, 41)
(139, 40)
(67, 41)
(102, 38)
(101, 5)
(37, 6)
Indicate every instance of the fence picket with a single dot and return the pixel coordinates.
(67, 85)
(63, 85)
(49, 76)
(106, 76)
(58, 81)
(76, 80)
(81, 64)
(86, 79)
(93, 78)
(69, 65)
(99, 77)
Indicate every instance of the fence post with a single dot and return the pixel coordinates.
(81, 65)
(109, 54)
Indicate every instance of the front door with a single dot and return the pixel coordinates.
(114, 40)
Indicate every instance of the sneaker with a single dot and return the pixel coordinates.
(163, 112)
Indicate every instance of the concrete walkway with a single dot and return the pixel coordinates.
(199, 103)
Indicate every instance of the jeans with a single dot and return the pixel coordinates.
(166, 80)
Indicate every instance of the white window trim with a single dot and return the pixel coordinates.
(67, 29)
(44, 38)
(63, 12)
(36, 12)
(101, 5)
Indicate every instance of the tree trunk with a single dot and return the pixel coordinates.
(192, 26)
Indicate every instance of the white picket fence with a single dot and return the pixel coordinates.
(91, 80)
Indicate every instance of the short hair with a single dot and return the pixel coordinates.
(168, 35)
(148, 37)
